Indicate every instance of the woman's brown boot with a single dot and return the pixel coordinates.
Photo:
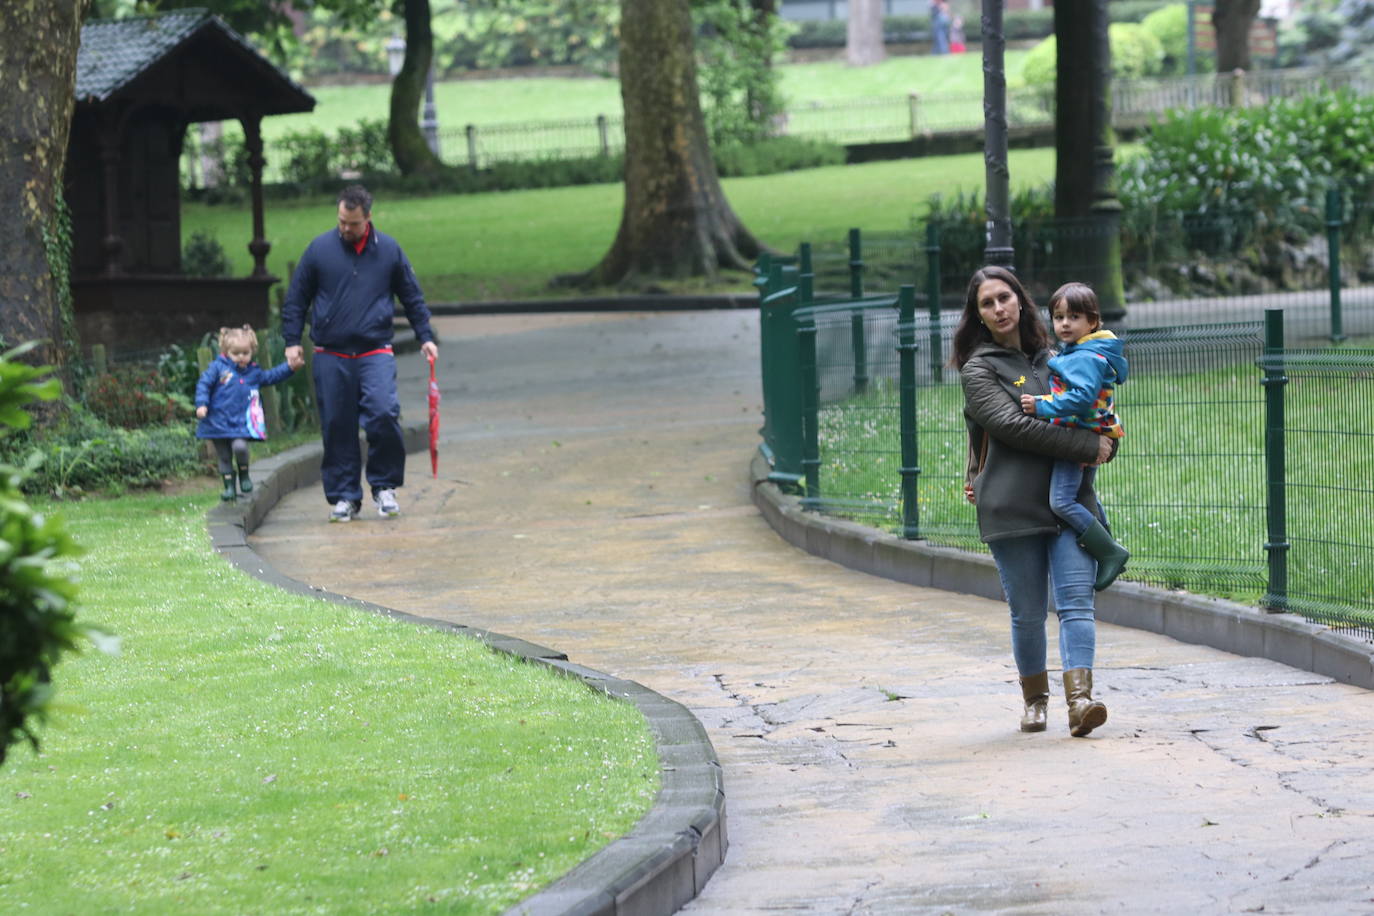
(1085, 713)
(1035, 690)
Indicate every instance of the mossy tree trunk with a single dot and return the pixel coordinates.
(676, 222)
(38, 44)
(408, 146)
(1086, 207)
(1232, 20)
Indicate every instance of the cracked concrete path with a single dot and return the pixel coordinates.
(593, 497)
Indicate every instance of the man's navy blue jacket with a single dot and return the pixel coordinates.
(349, 295)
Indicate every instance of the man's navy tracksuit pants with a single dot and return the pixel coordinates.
(353, 391)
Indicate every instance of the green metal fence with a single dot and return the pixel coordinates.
(1227, 483)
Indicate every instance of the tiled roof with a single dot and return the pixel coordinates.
(115, 51)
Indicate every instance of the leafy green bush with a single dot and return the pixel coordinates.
(305, 154)
(1169, 25)
(363, 149)
(37, 623)
(82, 454)
(203, 256)
(1135, 53)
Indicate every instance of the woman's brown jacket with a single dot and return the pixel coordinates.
(1011, 453)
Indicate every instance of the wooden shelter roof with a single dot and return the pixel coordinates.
(188, 60)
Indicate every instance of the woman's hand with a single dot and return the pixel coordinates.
(201, 412)
(1028, 404)
(1104, 451)
(968, 493)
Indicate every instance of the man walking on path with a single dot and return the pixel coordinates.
(347, 279)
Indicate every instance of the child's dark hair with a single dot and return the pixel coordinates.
(1080, 298)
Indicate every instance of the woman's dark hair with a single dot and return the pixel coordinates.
(971, 332)
(1080, 298)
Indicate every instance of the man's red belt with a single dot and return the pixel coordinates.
(352, 355)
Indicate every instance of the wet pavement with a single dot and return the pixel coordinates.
(593, 496)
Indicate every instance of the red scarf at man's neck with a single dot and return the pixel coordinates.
(359, 245)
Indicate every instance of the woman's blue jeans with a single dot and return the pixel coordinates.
(1029, 567)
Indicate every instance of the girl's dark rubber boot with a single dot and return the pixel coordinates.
(1035, 690)
(1111, 557)
(1085, 713)
(229, 494)
(245, 482)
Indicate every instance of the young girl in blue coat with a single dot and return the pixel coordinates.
(1086, 373)
(229, 406)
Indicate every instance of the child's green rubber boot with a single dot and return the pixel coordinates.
(229, 495)
(245, 482)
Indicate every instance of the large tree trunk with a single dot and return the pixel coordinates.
(408, 145)
(1086, 209)
(676, 221)
(38, 43)
(1232, 20)
(863, 45)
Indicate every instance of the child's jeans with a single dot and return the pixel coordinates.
(227, 449)
(1066, 480)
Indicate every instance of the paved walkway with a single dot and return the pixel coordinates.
(593, 497)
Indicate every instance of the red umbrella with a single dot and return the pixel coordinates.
(433, 419)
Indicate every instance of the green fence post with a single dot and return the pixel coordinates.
(781, 395)
(806, 276)
(204, 356)
(100, 362)
(857, 338)
(1277, 515)
(933, 300)
(906, 350)
(810, 413)
(1334, 219)
(271, 408)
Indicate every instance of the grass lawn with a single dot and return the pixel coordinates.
(483, 101)
(255, 752)
(511, 244)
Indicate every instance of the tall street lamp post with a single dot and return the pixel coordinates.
(429, 117)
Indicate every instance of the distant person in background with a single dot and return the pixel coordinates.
(939, 27)
(956, 36)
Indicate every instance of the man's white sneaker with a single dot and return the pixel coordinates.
(387, 507)
(344, 510)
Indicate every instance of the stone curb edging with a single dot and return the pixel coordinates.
(668, 856)
(1214, 622)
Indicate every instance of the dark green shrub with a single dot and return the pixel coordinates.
(1134, 10)
(363, 149)
(37, 622)
(776, 154)
(305, 154)
(203, 256)
(82, 454)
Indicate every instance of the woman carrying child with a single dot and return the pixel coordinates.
(229, 406)
(1002, 350)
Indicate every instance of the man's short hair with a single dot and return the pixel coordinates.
(355, 196)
